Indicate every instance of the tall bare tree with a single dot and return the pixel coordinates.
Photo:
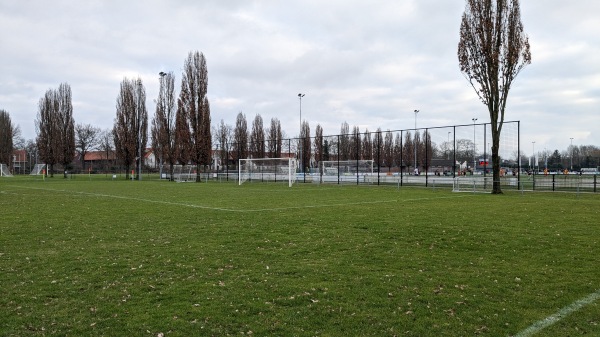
(399, 155)
(318, 145)
(408, 150)
(305, 145)
(194, 85)
(388, 150)
(425, 150)
(344, 142)
(492, 50)
(223, 136)
(276, 138)
(355, 143)
(106, 145)
(367, 146)
(87, 137)
(47, 124)
(378, 148)
(131, 124)
(183, 146)
(240, 138)
(6, 137)
(257, 138)
(66, 127)
(163, 123)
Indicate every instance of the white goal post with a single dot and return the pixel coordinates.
(267, 169)
(473, 184)
(38, 169)
(345, 170)
(184, 174)
(4, 171)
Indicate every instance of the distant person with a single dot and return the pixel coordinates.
(416, 171)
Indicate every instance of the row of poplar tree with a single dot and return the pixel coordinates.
(180, 129)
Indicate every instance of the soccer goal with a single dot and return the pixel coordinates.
(268, 169)
(184, 174)
(38, 169)
(346, 170)
(473, 184)
(4, 172)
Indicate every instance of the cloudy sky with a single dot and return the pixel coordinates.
(369, 63)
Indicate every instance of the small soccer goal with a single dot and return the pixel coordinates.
(268, 170)
(4, 171)
(184, 174)
(38, 169)
(345, 170)
(473, 184)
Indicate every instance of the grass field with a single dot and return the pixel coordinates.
(97, 257)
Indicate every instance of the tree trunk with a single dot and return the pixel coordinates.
(496, 188)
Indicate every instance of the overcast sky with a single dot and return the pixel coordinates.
(369, 63)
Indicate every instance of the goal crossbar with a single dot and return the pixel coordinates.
(267, 169)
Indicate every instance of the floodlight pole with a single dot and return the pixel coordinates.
(571, 153)
(415, 138)
(533, 146)
(474, 148)
(300, 141)
(139, 83)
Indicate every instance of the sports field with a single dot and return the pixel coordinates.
(103, 257)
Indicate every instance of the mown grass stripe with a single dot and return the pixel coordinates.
(559, 315)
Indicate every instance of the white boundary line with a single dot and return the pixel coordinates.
(559, 315)
(238, 210)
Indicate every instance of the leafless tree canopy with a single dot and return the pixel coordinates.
(163, 124)
(275, 139)
(318, 145)
(55, 127)
(257, 138)
(388, 149)
(6, 137)
(305, 145)
(224, 134)
(367, 146)
(240, 137)
(344, 141)
(492, 50)
(66, 127)
(87, 137)
(195, 105)
(131, 123)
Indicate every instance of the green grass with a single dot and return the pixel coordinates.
(97, 257)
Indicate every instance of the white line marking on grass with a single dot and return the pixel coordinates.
(559, 315)
(239, 210)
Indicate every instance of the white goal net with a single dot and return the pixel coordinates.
(345, 170)
(473, 184)
(184, 174)
(4, 172)
(38, 169)
(268, 170)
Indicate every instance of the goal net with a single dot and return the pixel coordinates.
(268, 169)
(38, 169)
(4, 172)
(345, 170)
(473, 184)
(184, 174)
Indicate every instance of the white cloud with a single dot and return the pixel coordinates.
(368, 63)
